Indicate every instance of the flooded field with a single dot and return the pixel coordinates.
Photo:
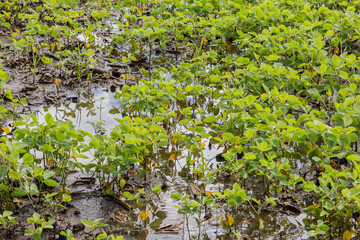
(179, 119)
(95, 111)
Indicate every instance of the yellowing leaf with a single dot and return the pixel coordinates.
(261, 224)
(208, 193)
(192, 161)
(229, 220)
(49, 162)
(34, 49)
(146, 151)
(53, 47)
(132, 173)
(333, 164)
(66, 191)
(6, 130)
(347, 235)
(122, 183)
(203, 145)
(149, 168)
(143, 215)
(172, 157)
(57, 81)
(127, 23)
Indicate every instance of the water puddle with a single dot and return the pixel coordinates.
(95, 111)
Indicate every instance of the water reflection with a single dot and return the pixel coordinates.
(94, 111)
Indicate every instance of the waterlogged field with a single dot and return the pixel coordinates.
(223, 119)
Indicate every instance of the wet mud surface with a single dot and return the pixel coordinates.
(85, 89)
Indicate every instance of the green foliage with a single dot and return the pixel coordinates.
(274, 84)
(40, 224)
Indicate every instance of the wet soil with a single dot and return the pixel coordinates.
(67, 97)
(282, 220)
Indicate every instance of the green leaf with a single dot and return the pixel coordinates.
(273, 57)
(176, 196)
(209, 200)
(227, 136)
(188, 88)
(210, 119)
(295, 103)
(299, 136)
(344, 74)
(353, 137)
(101, 236)
(51, 183)
(31, 220)
(353, 157)
(38, 172)
(263, 162)
(344, 140)
(238, 200)
(128, 195)
(46, 60)
(28, 158)
(132, 58)
(156, 190)
(328, 26)
(18, 193)
(347, 120)
(47, 148)
(3, 187)
(66, 197)
(49, 119)
(155, 128)
(323, 69)
(336, 60)
(87, 222)
(14, 175)
(271, 201)
(29, 232)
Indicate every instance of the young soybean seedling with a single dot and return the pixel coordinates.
(6, 217)
(40, 224)
(93, 225)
